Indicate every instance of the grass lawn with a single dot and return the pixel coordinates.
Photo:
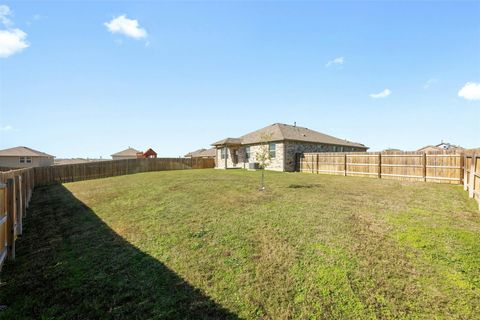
(206, 244)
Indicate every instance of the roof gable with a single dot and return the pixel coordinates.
(23, 152)
(281, 132)
(127, 152)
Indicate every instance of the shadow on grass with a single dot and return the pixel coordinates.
(304, 186)
(71, 265)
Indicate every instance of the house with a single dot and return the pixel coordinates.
(441, 147)
(284, 142)
(128, 153)
(202, 153)
(131, 153)
(24, 157)
(391, 150)
(147, 154)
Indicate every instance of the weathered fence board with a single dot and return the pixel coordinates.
(471, 177)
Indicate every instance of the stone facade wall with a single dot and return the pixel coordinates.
(285, 154)
(276, 163)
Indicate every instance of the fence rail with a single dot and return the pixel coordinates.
(411, 166)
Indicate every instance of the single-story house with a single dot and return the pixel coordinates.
(24, 157)
(150, 153)
(202, 153)
(284, 142)
(128, 153)
(442, 146)
(131, 153)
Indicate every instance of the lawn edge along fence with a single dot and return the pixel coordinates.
(441, 167)
(16, 187)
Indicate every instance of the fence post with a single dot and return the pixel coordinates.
(465, 175)
(24, 196)
(424, 166)
(379, 166)
(345, 165)
(11, 218)
(317, 163)
(472, 177)
(18, 203)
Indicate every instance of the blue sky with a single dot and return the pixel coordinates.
(387, 74)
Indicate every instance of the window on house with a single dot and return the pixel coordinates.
(224, 153)
(334, 148)
(25, 159)
(272, 149)
(247, 153)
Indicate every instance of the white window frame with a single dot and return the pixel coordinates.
(274, 151)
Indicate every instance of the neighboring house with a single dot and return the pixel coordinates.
(23, 157)
(391, 150)
(131, 153)
(147, 154)
(442, 146)
(284, 142)
(128, 153)
(77, 161)
(202, 153)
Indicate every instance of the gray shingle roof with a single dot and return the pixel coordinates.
(126, 152)
(280, 132)
(22, 152)
(227, 141)
(202, 153)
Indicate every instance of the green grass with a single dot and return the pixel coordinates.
(207, 244)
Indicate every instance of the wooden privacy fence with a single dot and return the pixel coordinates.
(104, 169)
(411, 166)
(471, 178)
(16, 188)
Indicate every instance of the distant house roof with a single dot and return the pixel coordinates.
(23, 152)
(130, 152)
(200, 153)
(150, 153)
(280, 132)
(442, 146)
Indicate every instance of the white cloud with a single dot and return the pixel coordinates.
(429, 83)
(4, 13)
(470, 91)
(385, 93)
(127, 27)
(336, 61)
(6, 128)
(11, 40)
